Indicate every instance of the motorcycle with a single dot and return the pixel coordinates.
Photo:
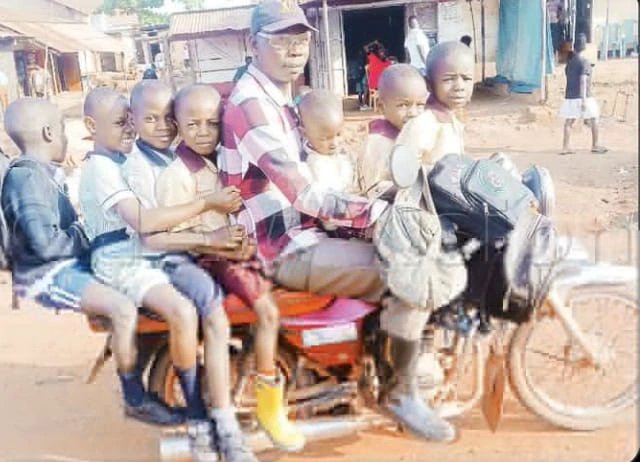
(565, 360)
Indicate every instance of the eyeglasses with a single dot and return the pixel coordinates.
(286, 41)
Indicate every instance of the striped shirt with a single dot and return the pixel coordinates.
(261, 155)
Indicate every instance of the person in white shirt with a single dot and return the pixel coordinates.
(416, 45)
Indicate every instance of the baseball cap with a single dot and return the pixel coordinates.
(273, 16)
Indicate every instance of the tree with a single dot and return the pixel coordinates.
(143, 8)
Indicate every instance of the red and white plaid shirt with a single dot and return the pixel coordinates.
(262, 155)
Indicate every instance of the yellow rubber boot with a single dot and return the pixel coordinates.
(272, 416)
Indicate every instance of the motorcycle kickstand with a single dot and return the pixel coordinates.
(100, 361)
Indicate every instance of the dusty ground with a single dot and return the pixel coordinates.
(49, 414)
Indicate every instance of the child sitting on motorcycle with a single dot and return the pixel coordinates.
(402, 93)
(330, 165)
(49, 248)
(124, 256)
(322, 121)
(197, 110)
(437, 131)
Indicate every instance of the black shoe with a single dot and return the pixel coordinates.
(154, 412)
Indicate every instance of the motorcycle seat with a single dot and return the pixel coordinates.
(341, 311)
(291, 304)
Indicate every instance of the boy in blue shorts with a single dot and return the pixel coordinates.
(49, 248)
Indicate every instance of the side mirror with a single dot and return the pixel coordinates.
(539, 181)
(404, 165)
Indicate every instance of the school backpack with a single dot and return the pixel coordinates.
(512, 272)
(481, 198)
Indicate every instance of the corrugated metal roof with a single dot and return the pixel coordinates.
(44, 35)
(91, 39)
(84, 6)
(4, 33)
(191, 24)
(66, 37)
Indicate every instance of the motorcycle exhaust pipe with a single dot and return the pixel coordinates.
(176, 448)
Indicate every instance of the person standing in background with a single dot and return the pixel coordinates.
(578, 102)
(377, 62)
(416, 45)
(554, 12)
(38, 79)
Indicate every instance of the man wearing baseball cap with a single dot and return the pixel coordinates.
(262, 156)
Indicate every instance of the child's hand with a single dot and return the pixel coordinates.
(245, 252)
(226, 201)
(226, 238)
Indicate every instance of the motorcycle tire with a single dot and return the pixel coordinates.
(163, 380)
(591, 416)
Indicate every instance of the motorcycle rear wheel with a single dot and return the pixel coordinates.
(576, 404)
(164, 382)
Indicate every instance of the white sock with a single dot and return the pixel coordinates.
(270, 379)
(226, 418)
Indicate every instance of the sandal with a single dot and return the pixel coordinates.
(567, 152)
(599, 150)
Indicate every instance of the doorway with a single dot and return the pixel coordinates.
(387, 25)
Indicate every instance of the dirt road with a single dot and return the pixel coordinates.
(49, 414)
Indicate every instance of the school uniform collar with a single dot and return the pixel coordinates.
(191, 159)
(384, 128)
(155, 156)
(117, 157)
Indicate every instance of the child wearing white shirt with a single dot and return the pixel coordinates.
(322, 122)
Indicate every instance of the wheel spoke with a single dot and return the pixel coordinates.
(549, 355)
(575, 386)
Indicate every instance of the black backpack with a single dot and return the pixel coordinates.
(480, 197)
(481, 200)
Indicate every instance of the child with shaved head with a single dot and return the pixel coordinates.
(322, 121)
(152, 157)
(194, 172)
(125, 229)
(437, 131)
(330, 166)
(402, 93)
(49, 248)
